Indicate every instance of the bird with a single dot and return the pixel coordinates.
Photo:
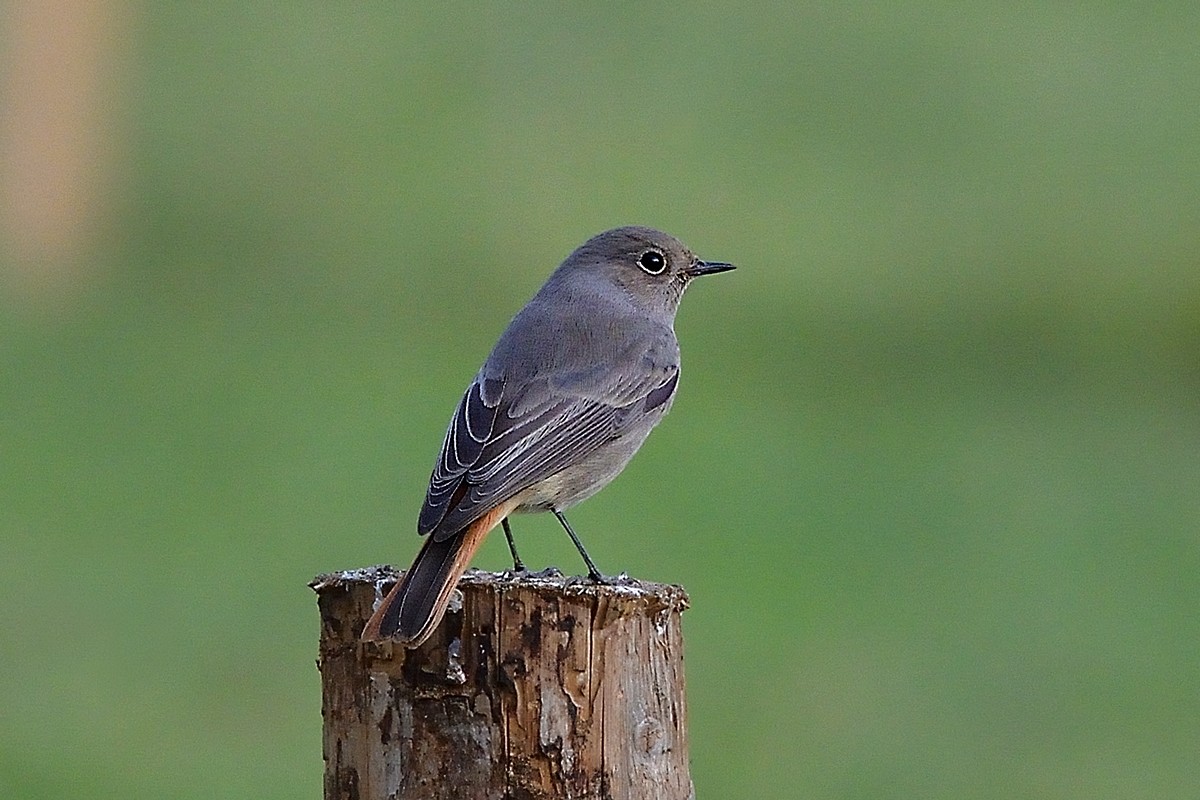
(569, 393)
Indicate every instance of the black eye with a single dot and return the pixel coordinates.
(652, 262)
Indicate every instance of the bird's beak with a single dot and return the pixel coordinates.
(707, 268)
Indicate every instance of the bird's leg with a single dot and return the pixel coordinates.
(593, 573)
(518, 565)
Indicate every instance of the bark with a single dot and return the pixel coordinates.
(533, 686)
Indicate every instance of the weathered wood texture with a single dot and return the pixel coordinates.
(532, 687)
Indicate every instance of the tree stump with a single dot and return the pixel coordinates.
(534, 686)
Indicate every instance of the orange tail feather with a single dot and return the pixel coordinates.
(415, 605)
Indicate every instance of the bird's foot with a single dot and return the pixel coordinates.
(620, 579)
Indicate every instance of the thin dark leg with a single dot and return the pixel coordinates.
(518, 565)
(593, 573)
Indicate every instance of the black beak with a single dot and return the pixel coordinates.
(707, 268)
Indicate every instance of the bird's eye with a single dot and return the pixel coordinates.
(652, 262)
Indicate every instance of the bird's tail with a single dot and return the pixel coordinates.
(415, 605)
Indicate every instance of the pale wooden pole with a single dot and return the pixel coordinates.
(532, 687)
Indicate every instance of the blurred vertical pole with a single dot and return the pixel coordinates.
(59, 68)
(532, 687)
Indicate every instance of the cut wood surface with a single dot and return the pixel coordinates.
(533, 686)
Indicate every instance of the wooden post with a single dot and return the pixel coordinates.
(532, 687)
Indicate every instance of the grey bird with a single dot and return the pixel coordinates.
(569, 393)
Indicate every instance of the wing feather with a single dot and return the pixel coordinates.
(469, 431)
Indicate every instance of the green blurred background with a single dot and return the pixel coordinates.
(932, 476)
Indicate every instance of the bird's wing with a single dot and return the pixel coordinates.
(506, 437)
(469, 431)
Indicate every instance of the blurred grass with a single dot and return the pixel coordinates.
(931, 480)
